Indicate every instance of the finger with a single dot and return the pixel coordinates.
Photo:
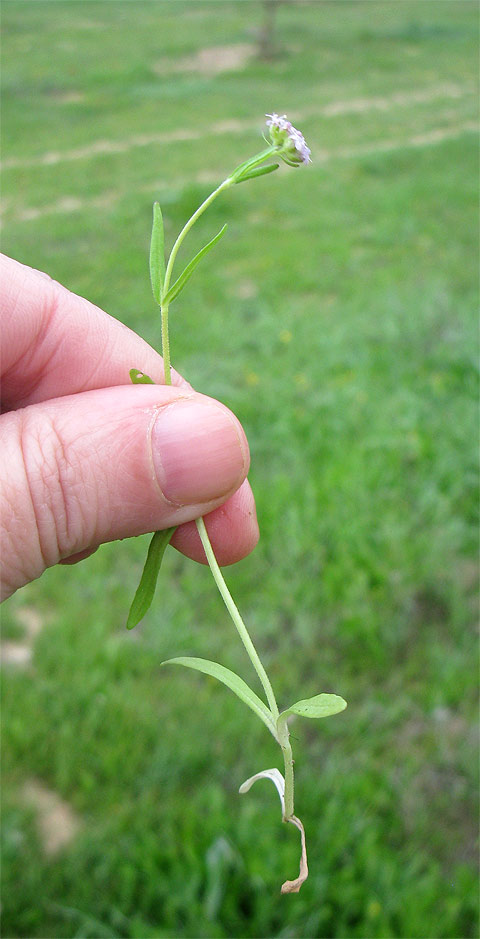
(232, 529)
(108, 464)
(55, 343)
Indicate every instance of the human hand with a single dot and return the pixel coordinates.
(87, 457)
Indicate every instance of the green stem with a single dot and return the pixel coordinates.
(229, 181)
(284, 741)
(168, 274)
(186, 228)
(283, 735)
(237, 619)
(165, 344)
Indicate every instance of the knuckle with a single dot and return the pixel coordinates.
(48, 474)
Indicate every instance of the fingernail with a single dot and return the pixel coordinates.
(199, 451)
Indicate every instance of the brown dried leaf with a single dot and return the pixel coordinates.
(293, 886)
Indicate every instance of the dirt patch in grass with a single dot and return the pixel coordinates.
(19, 653)
(67, 97)
(210, 61)
(31, 620)
(15, 653)
(56, 820)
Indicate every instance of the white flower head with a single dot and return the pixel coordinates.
(290, 142)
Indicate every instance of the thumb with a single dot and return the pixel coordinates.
(110, 463)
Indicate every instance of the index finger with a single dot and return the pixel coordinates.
(55, 343)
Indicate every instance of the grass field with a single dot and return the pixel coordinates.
(337, 319)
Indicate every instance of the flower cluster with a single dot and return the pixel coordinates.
(290, 142)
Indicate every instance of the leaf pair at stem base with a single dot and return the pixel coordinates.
(321, 705)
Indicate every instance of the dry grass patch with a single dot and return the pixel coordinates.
(56, 820)
(210, 61)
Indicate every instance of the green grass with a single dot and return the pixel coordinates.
(337, 319)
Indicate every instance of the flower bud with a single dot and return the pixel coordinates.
(288, 140)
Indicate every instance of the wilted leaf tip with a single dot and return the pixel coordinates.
(293, 886)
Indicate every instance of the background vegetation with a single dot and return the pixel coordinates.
(336, 319)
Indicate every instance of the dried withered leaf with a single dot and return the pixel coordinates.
(293, 886)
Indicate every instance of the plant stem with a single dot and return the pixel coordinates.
(186, 228)
(229, 181)
(165, 344)
(284, 741)
(237, 619)
(168, 274)
(283, 735)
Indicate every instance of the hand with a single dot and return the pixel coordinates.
(87, 457)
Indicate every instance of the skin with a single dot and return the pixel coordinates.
(87, 457)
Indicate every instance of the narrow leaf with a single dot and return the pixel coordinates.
(139, 378)
(187, 273)
(275, 776)
(253, 161)
(157, 254)
(322, 705)
(148, 581)
(261, 171)
(232, 681)
(243, 166)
